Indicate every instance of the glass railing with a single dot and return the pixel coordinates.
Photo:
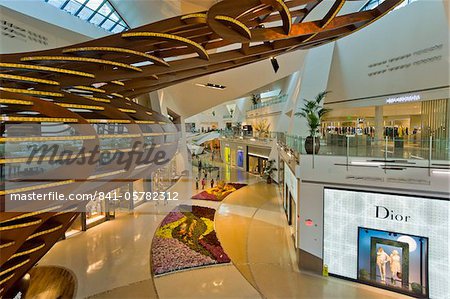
(267, 103)
(249, 135)
(366, 146)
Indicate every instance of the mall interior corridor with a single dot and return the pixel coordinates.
(113, 260)
(224, 149)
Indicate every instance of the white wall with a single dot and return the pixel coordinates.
(55, 36)
(45, 12)
(314, 79)
(416, 181)
(405, 31)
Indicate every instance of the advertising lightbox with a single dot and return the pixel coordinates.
(396, 242)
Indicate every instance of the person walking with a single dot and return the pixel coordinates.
(212, 183)
(196, 183)
(203, 183)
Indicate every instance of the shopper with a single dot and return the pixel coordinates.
(212, 183)
(203, 183)
(196, 183)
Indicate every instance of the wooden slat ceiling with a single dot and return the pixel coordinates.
(141, 53)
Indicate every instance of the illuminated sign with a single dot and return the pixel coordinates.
(398, 242)
(403, 99)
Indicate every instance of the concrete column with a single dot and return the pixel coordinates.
(379, 126)
(448, 120)
(155, 102)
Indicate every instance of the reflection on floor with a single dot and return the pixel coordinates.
(112, 260)
(51, 282)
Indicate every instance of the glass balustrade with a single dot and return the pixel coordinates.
(366, 146)
(267, 103)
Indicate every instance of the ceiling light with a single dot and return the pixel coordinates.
(447, 172)
(365, 163)
(275, 65)
(211, 85)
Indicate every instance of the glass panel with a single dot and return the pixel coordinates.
(85, 13)
(94, 4)
(57, 3)
(97, 19)
(108, 24)
(105, 9)
(72, 7)
(93, 11)
(114, 17)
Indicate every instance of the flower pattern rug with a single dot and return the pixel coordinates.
(186, 239)
(219, 192)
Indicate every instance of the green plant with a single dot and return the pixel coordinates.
(364, 274)
(313, 112)
(416, 288)
(269, 169)
(255, 99)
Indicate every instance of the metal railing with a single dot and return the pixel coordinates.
(267, 103)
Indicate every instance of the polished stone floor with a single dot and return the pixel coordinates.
(112, 260)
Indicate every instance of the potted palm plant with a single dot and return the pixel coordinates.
(313, 111)
(270, 168)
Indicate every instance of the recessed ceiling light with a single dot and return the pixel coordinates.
(211, 85)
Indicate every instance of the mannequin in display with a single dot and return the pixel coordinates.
(396, 268)
(382, 259)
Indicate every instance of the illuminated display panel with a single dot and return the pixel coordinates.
(353, 218)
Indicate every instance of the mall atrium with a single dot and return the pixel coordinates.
(224, 149)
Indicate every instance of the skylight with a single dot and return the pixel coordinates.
(374, 3)
(98, 12)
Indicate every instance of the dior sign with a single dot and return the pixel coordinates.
(384, 213)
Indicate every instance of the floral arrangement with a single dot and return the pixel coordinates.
(219, 192)
(186, 239)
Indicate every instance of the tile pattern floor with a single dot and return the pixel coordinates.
(112, 260)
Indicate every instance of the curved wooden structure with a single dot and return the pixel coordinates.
(88, 86)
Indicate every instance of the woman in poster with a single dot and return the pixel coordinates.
(395, 265)
(382, 259)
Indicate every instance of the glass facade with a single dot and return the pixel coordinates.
(98, 12)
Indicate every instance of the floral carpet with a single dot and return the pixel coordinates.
(186, 239)
(219, 192)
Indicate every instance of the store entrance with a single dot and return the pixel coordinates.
(256, 165)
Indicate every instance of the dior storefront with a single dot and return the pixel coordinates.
(395, 242)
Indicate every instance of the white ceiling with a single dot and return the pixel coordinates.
(188, 99)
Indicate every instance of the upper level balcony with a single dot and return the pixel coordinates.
(268, 106)
(386, 150)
